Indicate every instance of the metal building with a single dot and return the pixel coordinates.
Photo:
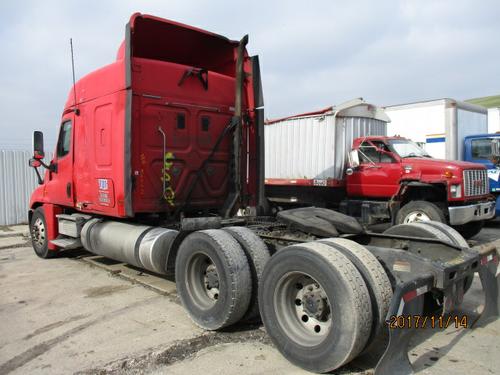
(17, 181)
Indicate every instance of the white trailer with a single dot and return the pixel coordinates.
(440, 126)
(494, 120)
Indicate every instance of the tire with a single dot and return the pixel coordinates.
(375, 277)
(416, 211)
(471, 229)
(257, 255)
(213, 278)
(38, 232)
(297, 277)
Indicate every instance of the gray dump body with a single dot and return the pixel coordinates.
(315, 146)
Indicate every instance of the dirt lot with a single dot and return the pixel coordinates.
(85, 314)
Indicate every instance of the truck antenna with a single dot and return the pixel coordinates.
(77, 111)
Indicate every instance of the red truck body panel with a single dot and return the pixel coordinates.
(96, 148)
(119, 163)
(191, 132)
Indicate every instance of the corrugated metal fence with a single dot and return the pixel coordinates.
(17, 181)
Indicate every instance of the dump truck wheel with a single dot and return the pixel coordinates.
(315, 306)
(417, 211)
(375, 277)
(213, 278)
(38, 232)
(257, 255)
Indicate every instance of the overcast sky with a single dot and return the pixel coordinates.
(313, 53)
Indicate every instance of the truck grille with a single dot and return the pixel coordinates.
(475, 182)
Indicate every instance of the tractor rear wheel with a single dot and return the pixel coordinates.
(315, 306)
(375, 277)
(213, 278)
(257, 255)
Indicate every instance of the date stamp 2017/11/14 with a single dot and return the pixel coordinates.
(418, 321)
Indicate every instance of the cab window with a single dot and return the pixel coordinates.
(64, 142)
(370, 152)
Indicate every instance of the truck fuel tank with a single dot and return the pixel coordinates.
(139, 245)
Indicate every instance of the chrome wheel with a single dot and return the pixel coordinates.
(302, 308)
(38, 234)
(415, 217)
(202, 280)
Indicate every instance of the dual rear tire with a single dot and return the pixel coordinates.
(217, 275)
(323, 302)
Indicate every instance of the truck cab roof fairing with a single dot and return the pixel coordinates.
(183, 44)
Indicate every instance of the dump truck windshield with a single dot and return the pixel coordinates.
(407, 149)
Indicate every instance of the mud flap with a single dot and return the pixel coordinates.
(491, 287)
(408, 300)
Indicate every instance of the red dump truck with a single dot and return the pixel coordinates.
(160, 164)
(342, 159)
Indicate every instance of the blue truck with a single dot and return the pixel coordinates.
(485, 149)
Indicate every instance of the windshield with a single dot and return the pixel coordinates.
(407, 149)
(482, 148)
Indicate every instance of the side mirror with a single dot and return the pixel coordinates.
(35, 163)
(353, 157)
(38, 152)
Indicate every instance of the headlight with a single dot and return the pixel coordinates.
(456, 191)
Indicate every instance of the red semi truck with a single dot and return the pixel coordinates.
(160, 164)
(343, 159)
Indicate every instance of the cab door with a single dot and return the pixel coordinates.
(378, 175)
(60, 185)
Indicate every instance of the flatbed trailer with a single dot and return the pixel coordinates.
(324, 287)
